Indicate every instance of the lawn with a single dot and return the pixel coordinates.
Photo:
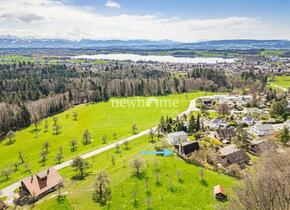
(281, 81)
(189, 193)
(106, 118)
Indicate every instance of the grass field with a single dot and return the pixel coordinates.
(100, 119)
(189, 194)
(281, 83)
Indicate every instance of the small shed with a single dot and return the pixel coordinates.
(219, 193)
(187, 147)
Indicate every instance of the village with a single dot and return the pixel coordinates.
(225, 133)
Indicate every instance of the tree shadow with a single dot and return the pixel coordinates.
(10, 142)
(80, 177)
(140, 175)
(204, 182)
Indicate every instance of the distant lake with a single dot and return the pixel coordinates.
(156, 58)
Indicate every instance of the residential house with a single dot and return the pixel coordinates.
(36, 186)
(3, 205)
(225, 135)
(206, 100)
(219, 193)
(187, 147)
(248, 120)
(262, 129)
(259, 146)
(232, 155)
(176, 137)
(215, 124)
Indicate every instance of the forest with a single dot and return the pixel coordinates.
(30, 91)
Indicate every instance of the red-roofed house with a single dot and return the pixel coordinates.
(219, 193)
(39, 185)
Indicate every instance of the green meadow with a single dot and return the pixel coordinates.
(179, 187)
(112, 119)
(282, 81)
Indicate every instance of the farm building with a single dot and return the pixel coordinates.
(231, 155)
(176, 137)
(187, 147)
(219, 193)
(39, 185)
(262, 129)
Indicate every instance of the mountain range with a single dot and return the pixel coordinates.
(243, 44)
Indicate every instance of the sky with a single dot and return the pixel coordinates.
(177, 20)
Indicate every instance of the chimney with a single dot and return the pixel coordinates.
(31, 180)
(47, 171)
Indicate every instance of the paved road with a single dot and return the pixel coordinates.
(9, 190)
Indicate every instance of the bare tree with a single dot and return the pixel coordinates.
(86, 137)
(11, 136)
(102, 192)
(16, 165)
(266, 187)
(57, 129)
(118, 150)
(126, 143)
(55, 120)
(156, 174)
(6, 173)
(138, 164)
(45, 126)
(104, 139)
(59, 156)
(45, 146)
(151, 135)
(134, 129)
(201, 175)
(73, 144)
(75, 116)
(43, 157)
(113, 159)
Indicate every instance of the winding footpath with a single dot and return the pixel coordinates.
(9, 190)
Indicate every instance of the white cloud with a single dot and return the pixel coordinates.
(55, 19)
(113, 4)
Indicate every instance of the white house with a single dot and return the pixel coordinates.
(262, 129)
(176, 137)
